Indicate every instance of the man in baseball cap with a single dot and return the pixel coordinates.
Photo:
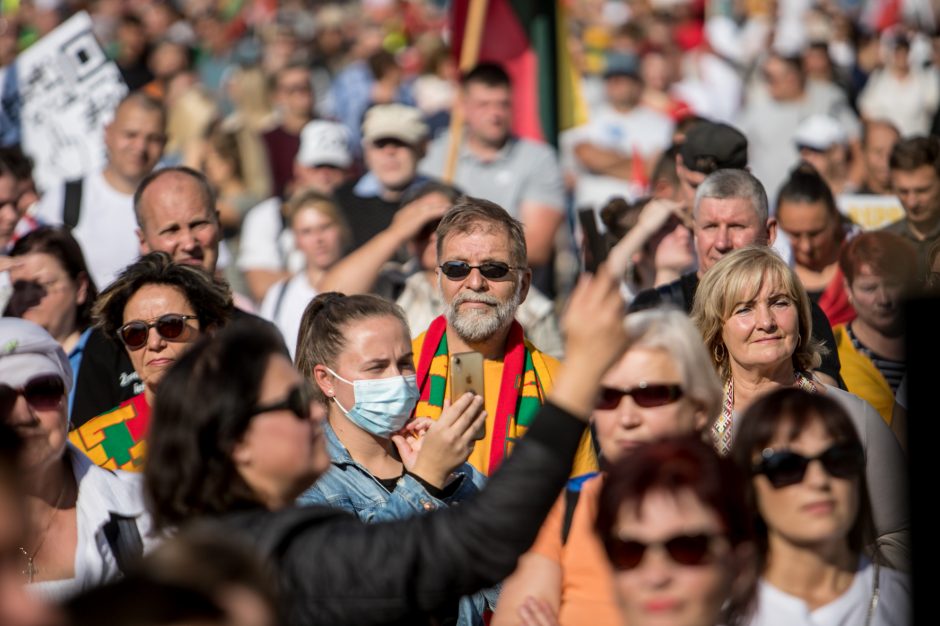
(708, 147)
(393, 141)
(323, 159)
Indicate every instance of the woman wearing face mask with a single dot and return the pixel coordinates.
(383, 466)
(661, 386)
(813, 518)
(357, 350)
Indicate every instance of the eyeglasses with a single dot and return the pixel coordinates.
(682, 549)
(170, 326)
(297, 402)
(492, 270)
(645, 395)
(784, 468)
(42, 392)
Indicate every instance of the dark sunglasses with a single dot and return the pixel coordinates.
(297, 402)
(493, 270)
(170, 326)
(384, 142)
(784, 468)
(682, 549)
(644, 395)
(42, 392)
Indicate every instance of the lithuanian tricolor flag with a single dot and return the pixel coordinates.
(529, 39)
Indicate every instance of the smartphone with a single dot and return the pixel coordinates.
(594, 246)
(466, 374)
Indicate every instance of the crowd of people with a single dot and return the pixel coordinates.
(325, 341)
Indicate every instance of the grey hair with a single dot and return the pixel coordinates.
(726, 184)
(671, 330)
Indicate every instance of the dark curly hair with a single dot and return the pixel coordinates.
(199, 416)
(210, 297)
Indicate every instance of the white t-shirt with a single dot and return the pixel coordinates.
(642, 132)
(265, 243)
(284, 306)
(106, 229)
(776, 608)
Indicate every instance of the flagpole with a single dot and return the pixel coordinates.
(469, 54)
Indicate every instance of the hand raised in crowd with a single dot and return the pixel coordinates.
(594, 338)
(433, 449)
(411, 218)
(654, 216)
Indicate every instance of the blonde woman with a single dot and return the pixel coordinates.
(754, 316)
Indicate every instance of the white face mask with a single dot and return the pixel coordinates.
(382, 405)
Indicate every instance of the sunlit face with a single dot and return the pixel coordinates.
(318, 237)
(813, 233)
(764, 331)
(478, 307)
(153, 359)
(672, 246)
(724, 225)
(135, 140)
(879, 141)
(393, 162)
(9, 207)
(919, 192)
(628, 425)
(177, 221)
(57, 309)
(43, 431)
(281, 454)
(818, 510)
(660, 591)
(877, 301)
(488, 113)
(376, 347)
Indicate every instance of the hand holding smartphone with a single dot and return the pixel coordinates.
(466, 374)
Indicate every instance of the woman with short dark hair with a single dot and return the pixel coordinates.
(156, 308)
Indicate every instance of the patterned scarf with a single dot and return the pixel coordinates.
(721, 431)
(520, 391)
(116, 439)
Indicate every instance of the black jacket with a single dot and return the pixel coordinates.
(335, 570)
(681, 293)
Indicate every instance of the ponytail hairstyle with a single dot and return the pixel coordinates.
(323, 328)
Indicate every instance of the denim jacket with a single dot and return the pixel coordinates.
(351, 487)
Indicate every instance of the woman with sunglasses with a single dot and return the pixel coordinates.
(754, 316)
(52, 287)
(233, 439)
(674, 524)
(813, 516)
(71, 504)
(156, 308)
(661, 386)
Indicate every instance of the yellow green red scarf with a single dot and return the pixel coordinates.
(519, 390)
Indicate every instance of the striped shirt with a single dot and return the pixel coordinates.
(893, 371)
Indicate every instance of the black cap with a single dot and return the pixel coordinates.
(622, 64)
(711, 146)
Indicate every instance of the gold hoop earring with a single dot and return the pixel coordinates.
(719, 353)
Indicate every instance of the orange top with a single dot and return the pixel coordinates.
(587, 580)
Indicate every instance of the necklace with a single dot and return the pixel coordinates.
(31, 570)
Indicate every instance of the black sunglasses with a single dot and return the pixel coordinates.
(626, 554)
(43, 392)
(170, 326)
(784, 468)
(493, 270)
(645, 395)
(297, 402)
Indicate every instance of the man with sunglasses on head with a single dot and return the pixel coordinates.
(483, 277)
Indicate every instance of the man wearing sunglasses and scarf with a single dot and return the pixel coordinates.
(483, 277)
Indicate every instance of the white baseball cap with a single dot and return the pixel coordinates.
(324, 143)
(820, 132)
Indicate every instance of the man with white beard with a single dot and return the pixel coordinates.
(483, 276)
